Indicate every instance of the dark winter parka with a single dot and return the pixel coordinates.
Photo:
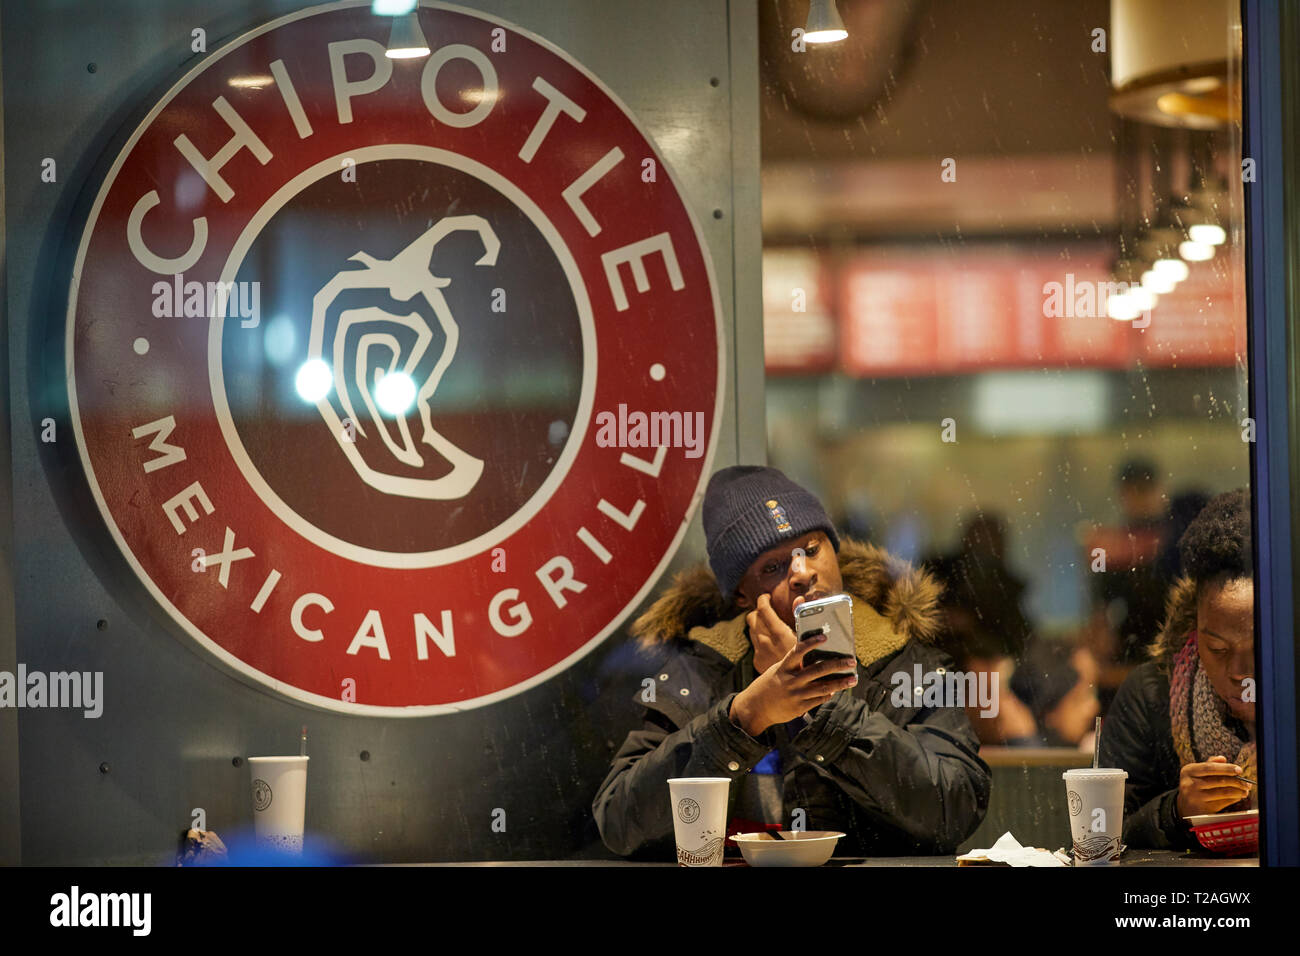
(898, 779)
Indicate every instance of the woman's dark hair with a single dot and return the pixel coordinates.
(1217, 542)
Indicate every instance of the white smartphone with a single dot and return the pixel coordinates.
(832, 616)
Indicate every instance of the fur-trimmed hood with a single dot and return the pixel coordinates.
(893, 603)
(1180, 620)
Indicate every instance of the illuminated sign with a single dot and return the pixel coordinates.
(339, 330)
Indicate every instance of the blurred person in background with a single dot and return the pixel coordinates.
(985, 627)
(1183, 723)
(982, 596)
(1056, 680)
(1128, 596)
(1183, 509)
(1047, 697)
(858, 518)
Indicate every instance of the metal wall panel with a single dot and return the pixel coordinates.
(10, 829)
(121, 789)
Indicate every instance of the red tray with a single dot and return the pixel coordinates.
(1233, 837)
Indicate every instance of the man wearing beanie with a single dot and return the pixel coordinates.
(732, 698)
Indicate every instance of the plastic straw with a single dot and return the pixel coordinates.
(302, 751)
(1096, 744)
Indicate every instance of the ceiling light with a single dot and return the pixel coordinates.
(1207, 233)
(1155, 282)
(406, 41)
(824, 24)
(1122, 307)
(1174, 269)
(1143, 299)
(1200, 221)
(251, 82)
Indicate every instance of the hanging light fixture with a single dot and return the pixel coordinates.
(1199, 225)
(1163, 240)
(1168, 64)
(1143, 299)
(1199, 216)
(1122, 307)
(1193, 251)
(1159, 246)
(1131, 266)
(1169, 71)
(1212, 234)
(1207, 194)
(1155, 282)
(1206, 221)
(1171, 267)
(1126, 304)
(407, 40)
(824, 24)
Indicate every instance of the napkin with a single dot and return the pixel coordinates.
(1008, 852)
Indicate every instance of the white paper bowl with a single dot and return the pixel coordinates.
(790, 848)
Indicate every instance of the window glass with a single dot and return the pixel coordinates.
(1006, 339)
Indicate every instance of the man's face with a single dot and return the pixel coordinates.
(1140, 499)
(1225, 628)
(782, 574)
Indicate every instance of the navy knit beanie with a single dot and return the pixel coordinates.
(749, 509)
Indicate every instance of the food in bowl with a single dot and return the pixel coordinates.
(787, 847)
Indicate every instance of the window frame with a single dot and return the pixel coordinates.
(1271, 98)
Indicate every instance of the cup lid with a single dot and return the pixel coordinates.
(269, 759)
(1095, 772)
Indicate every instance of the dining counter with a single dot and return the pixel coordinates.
(1145, 858)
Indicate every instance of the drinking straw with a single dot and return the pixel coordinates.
(1096, 745)
(302, 751)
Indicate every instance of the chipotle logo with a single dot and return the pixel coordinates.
(338, 330)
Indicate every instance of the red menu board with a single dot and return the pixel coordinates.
(889, 314)
(904, 313)
(1200, 323)
(975, 319)
(798, 323)
(1065, 302)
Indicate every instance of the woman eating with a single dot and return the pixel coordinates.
(1183, 723)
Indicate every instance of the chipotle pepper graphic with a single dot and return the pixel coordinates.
(403, 277)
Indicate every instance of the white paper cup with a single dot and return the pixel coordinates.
(699, 819)
(1095, 799)
(279, 801)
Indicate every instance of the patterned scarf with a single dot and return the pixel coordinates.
(1199, 721)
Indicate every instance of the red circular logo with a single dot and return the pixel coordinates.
(396, 380)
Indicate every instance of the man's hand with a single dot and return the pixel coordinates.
(1209, 787)
(771, 637)
(787, 689)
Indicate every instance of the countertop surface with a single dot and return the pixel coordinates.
(1130, 858)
